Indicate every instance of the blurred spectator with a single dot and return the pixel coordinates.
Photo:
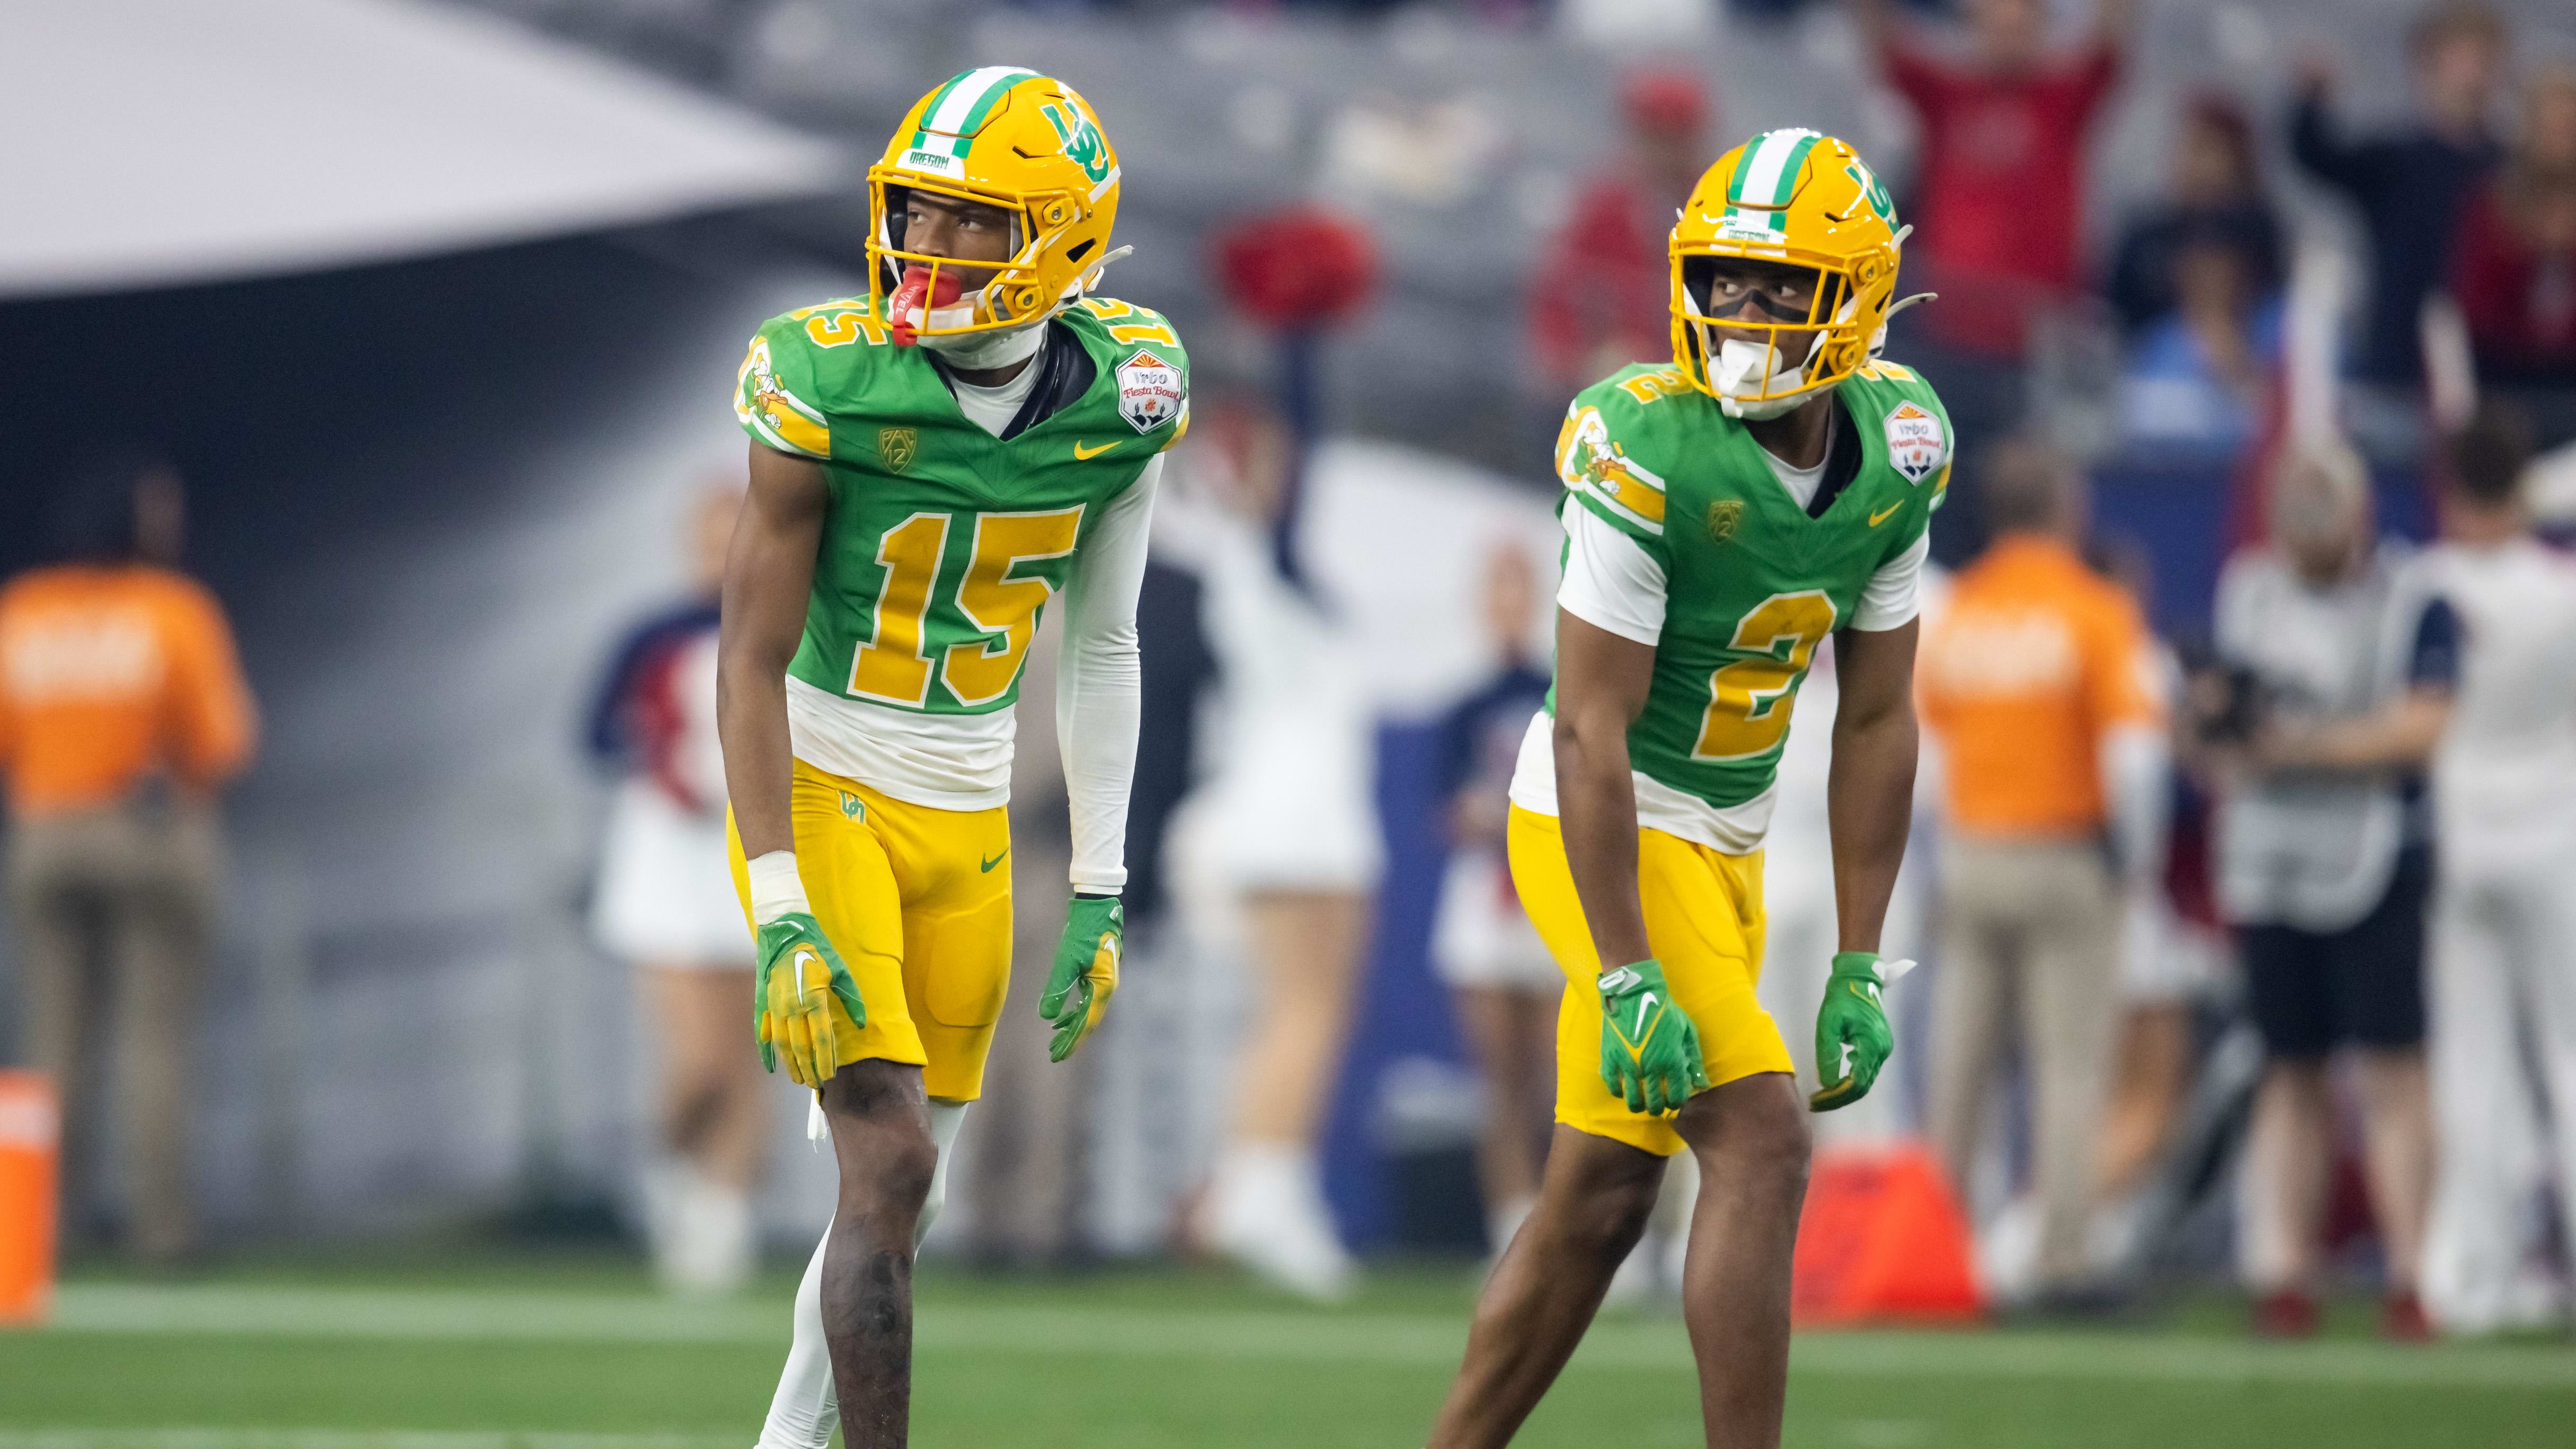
(2410, 184)
(664, 903)
(1599, 299)
(2039, 685)
(2515, 275)
(2339, 668)
(1998, 191)
(2504, 934)
(1503, 980)
(1296, 832)
(122, 712)
(2214, 197)
(2198, 376)
(2170, 954)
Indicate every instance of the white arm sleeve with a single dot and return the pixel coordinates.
(1895, 593)
(1100, 681)
(1611, 582)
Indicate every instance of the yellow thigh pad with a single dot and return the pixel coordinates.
(918, 902)
(1704, 921)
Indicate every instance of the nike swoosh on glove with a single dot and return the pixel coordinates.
(800, 977)
(1649, 1050)
(1853, 1039)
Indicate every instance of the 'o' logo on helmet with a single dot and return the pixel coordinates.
(1082, 143)
(1872, 190)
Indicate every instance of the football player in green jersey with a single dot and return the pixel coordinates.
(932, 463)
(1724, 516)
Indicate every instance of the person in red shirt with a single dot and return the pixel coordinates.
(2515, 272)
(1999, 182)
(1598, 299)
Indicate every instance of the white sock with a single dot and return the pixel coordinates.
(807, 1408)
(1259, 1178)
(805, 1411)
(703, 1243)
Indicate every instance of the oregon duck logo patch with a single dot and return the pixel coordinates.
(896, 446)
(1723, 516)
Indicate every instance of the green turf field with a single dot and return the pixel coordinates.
(486, 1353)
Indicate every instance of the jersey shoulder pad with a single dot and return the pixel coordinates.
(1608, 452)
(783, 392)
(1147, 366)
(1902, 408)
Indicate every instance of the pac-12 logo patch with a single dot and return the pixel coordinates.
(896, 446)
(1149, 391)
(1723, 516)
(1916, 444)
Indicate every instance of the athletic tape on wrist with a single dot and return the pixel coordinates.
(776, 889)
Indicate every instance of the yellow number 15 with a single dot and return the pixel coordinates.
(1749, 701)
(1001, 602)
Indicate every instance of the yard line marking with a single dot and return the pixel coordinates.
(71, 1437)
(1287, 1336)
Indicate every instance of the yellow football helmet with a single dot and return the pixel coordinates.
(1799, 199)
(1010, 138)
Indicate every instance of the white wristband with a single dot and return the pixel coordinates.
(776, 888)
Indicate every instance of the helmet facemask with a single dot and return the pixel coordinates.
(925, 296)
(1785, 332)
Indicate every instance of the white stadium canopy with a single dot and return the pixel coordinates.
(156, 142)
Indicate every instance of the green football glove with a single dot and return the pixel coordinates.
(1853, 1040)
(1086, 971)
(1649, 1052)
(800, 977)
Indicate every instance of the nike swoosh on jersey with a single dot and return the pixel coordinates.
(1880, 516)
(996, 860)
(1082, 454)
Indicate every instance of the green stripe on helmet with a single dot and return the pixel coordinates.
(930, 108)
(957, 108)
(991, 102)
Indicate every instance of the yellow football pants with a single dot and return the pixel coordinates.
(918, 902)
(1704, 922)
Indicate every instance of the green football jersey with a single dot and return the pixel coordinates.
(1752, 583)
(942, 543)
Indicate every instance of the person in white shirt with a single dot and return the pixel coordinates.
(2503, 979)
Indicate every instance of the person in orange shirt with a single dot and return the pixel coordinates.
(122, 710)
(2039, 685)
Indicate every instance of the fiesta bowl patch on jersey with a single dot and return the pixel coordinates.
(1149, 391)
(1916, 444)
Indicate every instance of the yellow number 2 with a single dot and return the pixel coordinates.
(1749, 701)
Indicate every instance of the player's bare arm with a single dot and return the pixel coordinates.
(768, 574)
(1600, 690)
(1869, 798)
(1869, 807)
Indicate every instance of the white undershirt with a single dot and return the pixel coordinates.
(963, 762)
(992, 408)
(1802, 483)
(1612, 583)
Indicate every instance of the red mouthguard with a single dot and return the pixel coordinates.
(908, 298)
